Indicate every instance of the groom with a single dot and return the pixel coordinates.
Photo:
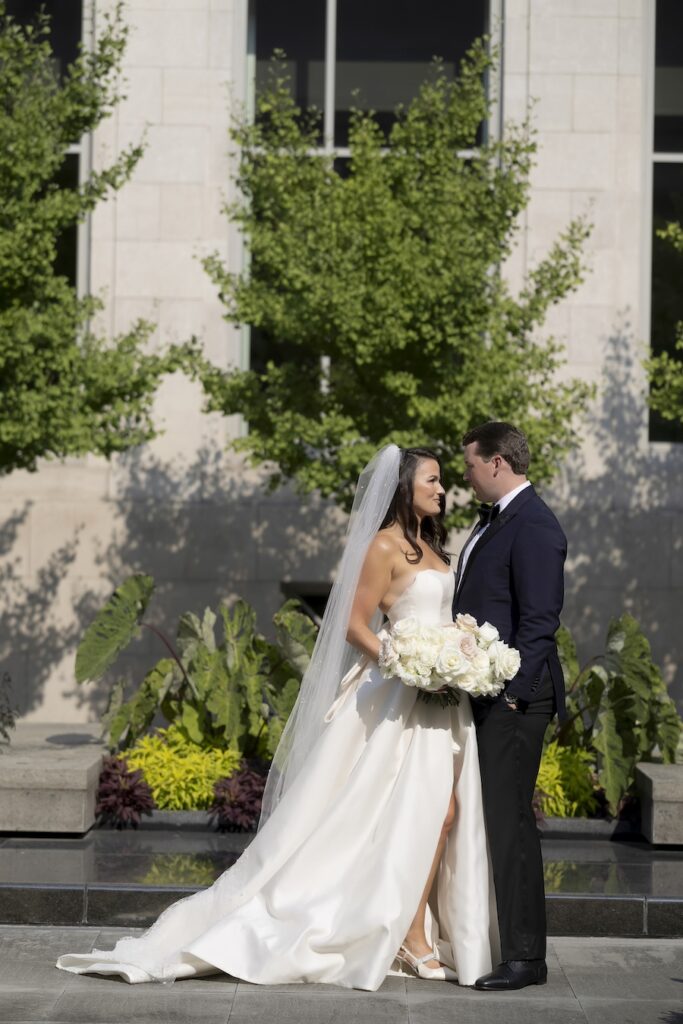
(510, 573)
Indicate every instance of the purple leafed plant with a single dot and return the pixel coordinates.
(237, 801)
(123, 796)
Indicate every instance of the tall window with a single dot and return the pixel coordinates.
(351, 53)
(667, 192)
(66, 21)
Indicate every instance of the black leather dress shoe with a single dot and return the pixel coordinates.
(513, 974)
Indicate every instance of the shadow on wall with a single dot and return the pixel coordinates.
(32, 639)
(624, 522)
(208, 533)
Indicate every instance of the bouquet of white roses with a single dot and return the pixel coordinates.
(463, 656)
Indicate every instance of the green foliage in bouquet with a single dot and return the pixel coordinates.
(180, 774)
(234, 692)
(618, 707)
(565, 783)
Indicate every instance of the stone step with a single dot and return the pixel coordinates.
(48, 778)
(580, 914)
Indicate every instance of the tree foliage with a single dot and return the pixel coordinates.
(666, 369)
(381, 288)
(63, 389)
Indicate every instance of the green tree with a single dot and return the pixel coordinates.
(63, 390)
(666, 369)
(381, 290)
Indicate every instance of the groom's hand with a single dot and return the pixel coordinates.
(510, 701)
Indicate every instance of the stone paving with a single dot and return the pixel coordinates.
(591, 981)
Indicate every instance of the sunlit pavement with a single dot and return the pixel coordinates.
(601, 981)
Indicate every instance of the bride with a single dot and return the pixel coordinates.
(371, 855)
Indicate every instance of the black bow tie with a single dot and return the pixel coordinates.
(487, 513)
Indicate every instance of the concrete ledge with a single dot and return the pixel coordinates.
(660, 787)
(48, 778)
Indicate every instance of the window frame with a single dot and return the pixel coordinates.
(651, 157)
(496, 14)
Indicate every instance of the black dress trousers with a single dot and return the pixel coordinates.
(510, 747)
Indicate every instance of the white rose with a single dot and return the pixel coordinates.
(466, 622)
(406, 646)
(405, 627)
(487, 634)
(451, 663)
(505, 661)
(432, 635)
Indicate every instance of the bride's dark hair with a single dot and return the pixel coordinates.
(401, 509)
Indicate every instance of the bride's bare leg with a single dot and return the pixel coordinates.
(415, 939)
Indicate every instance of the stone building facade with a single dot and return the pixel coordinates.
(190, 513)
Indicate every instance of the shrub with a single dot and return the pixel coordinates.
(180, 774)
(236, 692)
(565, 784)
(123, 796)
(618, 708)
(237, 801)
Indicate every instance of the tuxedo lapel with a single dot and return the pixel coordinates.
(496, 526)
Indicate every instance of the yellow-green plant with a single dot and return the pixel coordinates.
(566, 782)
(180, 774)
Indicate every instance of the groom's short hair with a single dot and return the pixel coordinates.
(496, 438)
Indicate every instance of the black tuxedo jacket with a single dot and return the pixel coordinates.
(514, 579)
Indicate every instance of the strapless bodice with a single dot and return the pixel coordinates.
(429, 598)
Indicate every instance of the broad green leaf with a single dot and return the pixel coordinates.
(568, 658)
(614, 769)
(281, 704)
(296, 636)
(135, 716)
(113, 628)
(194, 633)
(190, 723)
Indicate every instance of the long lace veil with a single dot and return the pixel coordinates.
(333, 656)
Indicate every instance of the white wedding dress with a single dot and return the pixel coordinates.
(328, 888)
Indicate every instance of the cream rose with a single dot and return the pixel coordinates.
(467, 623)
(468, 645)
